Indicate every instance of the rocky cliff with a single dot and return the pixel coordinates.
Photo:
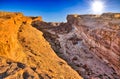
(25, 54)
(89, 43)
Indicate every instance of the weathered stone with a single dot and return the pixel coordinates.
(91, 47)
(25, 54)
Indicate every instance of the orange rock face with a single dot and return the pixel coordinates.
(25, 54)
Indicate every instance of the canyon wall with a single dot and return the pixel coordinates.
(89, 43)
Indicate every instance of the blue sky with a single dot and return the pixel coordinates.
(54, 10)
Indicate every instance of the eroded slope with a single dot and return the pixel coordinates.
(89, 43)
(25, 54)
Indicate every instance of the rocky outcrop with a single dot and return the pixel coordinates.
(25, 54)
(91, 44)
(38, 18)
(111, 15)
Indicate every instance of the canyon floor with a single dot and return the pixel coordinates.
(84, 47)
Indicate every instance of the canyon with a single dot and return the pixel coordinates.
(84, 47)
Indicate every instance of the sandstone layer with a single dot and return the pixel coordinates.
(25, 54)
(89, 43)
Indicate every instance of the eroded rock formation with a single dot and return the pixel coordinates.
(25, 54)
(89, 43)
